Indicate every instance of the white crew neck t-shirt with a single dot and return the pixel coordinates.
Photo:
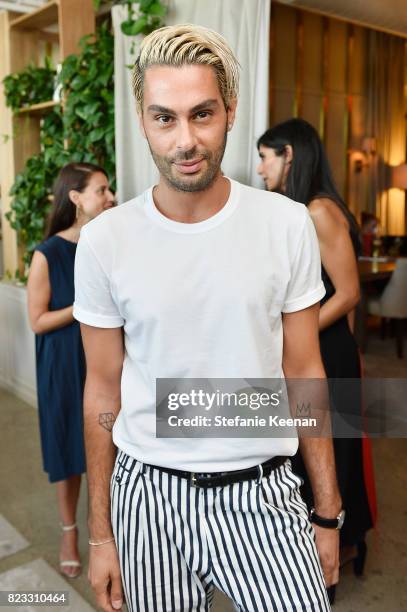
(200, 300)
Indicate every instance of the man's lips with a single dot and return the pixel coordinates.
(189, 167)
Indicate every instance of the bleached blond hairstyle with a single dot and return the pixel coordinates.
(185, 44)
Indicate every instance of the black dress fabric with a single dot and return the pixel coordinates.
(61, 371)
(341, 359)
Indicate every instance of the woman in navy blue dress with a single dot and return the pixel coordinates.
(81, 192)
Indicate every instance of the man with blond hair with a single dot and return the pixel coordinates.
(199, 277)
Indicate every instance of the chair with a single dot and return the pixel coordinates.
(392, 304)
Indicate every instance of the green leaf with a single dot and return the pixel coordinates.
(145, 5)
(157, 9)
(77, 82)
(127, 27)
(96, 134)
(132, 28)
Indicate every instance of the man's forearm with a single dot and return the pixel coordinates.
(100, 412)
(317, 449)
(319, 460)
(306, 382)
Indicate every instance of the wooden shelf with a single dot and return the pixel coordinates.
(37, 20)
(38, 110)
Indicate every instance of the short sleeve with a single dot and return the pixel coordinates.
(46, 250)
(94, 304)
(305, 287)
(42, 248)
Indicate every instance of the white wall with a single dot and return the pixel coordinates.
(17, 345)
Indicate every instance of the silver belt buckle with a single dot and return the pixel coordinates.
(193, 479)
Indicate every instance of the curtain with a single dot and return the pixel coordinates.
(245, 25)
(386, 122)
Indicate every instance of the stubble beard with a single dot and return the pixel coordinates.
(190, 184)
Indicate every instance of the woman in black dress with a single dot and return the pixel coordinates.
(81, 193)
(293, 162)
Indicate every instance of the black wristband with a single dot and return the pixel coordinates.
(335, 523)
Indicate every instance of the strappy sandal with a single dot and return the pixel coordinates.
(70, 562)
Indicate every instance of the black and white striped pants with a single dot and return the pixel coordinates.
(252, 540)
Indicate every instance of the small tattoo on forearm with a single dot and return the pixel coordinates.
(106, 420)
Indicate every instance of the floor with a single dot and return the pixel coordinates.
(29, 524)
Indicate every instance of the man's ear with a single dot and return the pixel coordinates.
(141, 124)
(288, 154)
(231, 112)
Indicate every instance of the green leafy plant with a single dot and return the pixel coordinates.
(82, 131)
(88, 91)
(32, 187)
(52, 139)
(29, 86)
(143, 16)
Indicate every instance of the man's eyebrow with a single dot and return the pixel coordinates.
(156, 108)
(206, 104)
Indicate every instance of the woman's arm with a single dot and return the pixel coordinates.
(338, 259)
(351, 320)
(43, 320)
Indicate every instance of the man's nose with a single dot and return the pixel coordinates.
(186, 138)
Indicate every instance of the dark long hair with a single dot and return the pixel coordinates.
(72, 176)
(310, 175)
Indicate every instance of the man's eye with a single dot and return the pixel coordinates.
(164, 119)
(202, 115)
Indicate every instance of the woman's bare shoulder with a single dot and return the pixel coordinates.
(326, 211)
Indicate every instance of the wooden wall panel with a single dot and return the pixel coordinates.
(336, 111)
(284, 105)
(357, 66)
(358, 179)
(336, 139)
(319, 71)
(357, 87)
(395, 214)
(337, 56)
(313, 31)
(23, 48)
(26, 139)
(76, 19)
(312, 110)
(312, 77)
(283, 62)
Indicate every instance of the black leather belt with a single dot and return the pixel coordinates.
(219, 479)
